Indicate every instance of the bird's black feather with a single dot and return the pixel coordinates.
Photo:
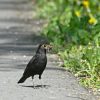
(36, 65)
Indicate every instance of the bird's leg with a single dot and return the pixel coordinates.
(33, 81)
(39, 76)
(40, 79)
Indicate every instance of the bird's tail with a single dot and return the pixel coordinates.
(22, 79)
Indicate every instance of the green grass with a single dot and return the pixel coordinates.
(84, 63)
(74, 29)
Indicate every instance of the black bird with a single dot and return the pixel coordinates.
(37, 64)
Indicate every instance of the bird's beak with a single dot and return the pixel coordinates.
(48, 47)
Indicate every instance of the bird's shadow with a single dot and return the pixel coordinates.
(36, 86)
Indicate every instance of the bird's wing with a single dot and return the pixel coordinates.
(30, 64)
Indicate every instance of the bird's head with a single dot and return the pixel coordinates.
(44, 47)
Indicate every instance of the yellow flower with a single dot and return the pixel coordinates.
(77, 13)
(92, 20)
(85, 3)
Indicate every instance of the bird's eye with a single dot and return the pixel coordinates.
(44, 45)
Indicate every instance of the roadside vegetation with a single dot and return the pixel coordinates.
(74, 29)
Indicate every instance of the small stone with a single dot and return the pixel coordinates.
(24, 56)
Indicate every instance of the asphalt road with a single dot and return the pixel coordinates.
(19, 38)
